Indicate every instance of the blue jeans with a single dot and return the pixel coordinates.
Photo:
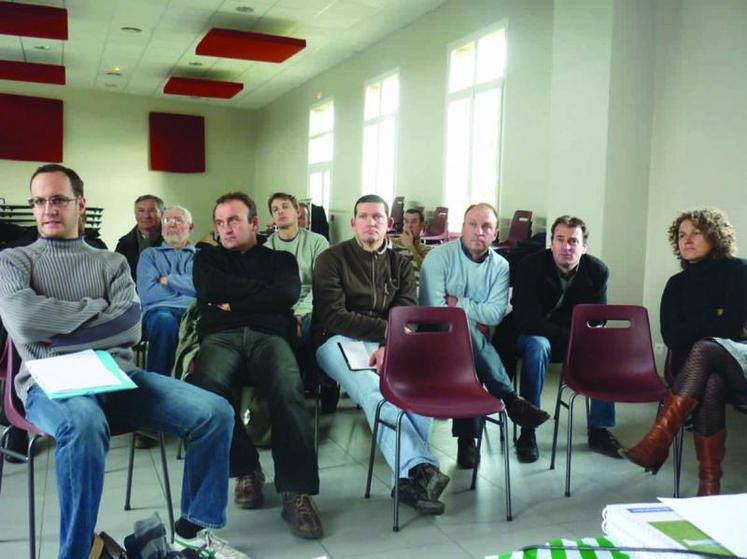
(535, 352)
(162, 327)
(80, 426)
(363, 389)
(491, 372)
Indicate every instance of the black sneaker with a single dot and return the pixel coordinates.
(466, 453)
(526, 447)
(431, 479)
(525, 414)
(412, 493)
(604, 442)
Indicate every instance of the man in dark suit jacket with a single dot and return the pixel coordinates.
(548, 285)
(145, 234)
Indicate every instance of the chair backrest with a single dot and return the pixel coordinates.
(398, 213)
(608, 362)
(438, 224)
(427, 361)
(520, 229)
(10, 364)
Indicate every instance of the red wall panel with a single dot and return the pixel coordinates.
(177, 143)
(30, 128)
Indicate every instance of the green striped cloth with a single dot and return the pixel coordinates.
(588, 550)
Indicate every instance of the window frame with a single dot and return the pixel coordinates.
(320, 166)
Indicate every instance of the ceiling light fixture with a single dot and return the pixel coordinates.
(110, 84)
(244, 9)
(195, 63)
(130, 29)
(115, 71)
(42, 47)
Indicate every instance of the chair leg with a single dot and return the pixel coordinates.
(679, 441)
(569, 445)
(373, 449)
(32, 503)
(506, 468)
(130, 463)
(480, 433)
(180, 449)
(167, 485)
(317, 411)
(3, 441)
(558, 403)
(398, 432)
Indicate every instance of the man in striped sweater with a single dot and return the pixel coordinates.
(59, 295)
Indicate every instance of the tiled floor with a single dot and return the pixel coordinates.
(474, 524)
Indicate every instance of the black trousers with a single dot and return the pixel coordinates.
(230, 360)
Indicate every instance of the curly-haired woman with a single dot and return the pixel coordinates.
(703, 312)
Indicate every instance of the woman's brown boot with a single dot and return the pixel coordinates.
(653, 449)
(710, 452)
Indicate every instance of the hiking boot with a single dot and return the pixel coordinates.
(143, 441)
(413, 494)
(525, 414)
(431, 479)
(301, 513)
(248, 491)
(526, 447)
(466, 453)
(604, 442)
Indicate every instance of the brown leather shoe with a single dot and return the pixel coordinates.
(144, 441)
(525, 414)
(301, 513)
(248, 491)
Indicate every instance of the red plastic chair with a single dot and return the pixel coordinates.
(10, 364)
(398, 214)
(438, 227)
(520, 230)
(432, 373)
(606, 363)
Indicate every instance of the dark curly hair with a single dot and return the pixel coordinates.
(715, 226)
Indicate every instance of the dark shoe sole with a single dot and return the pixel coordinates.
(525, 457)
(307, 535)
(616, 453)
(436, 485)
(249, 505)
(423, 506)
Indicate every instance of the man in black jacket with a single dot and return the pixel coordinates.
(245, 293)
(548, 285)
(145, 234)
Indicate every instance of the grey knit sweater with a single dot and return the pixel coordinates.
(60, 296)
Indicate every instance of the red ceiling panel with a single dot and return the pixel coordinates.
(33, 21)
(202, 88)
(28, 72)
(230, 43)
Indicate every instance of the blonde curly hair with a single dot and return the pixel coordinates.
(715, 226)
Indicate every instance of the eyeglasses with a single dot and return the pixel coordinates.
(173, 220)
(54, 201)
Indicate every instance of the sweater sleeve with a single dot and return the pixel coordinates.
(527, 306)
(30, 317)
(306, 303)
(277, 296)
(329, 304)
(149, 287)
(214, 285)
(490, 311)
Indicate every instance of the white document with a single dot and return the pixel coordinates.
(723, 517)
(356, 355)
(84, 372)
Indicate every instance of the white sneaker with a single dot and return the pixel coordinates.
(208, 546)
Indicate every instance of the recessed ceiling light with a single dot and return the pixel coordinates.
(114, 71)
(42, 47)
(244, 9)
(110, 84)
(195, 63)
(129, 29)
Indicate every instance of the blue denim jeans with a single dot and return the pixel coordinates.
(162, 327)
(363, 388)
(535, 354)
(80, 426)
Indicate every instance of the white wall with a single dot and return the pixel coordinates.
(699, 126)
(420, 53)
(106, 142)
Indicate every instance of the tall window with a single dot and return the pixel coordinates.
(473, 121)
(380, 136)
(321, 152)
